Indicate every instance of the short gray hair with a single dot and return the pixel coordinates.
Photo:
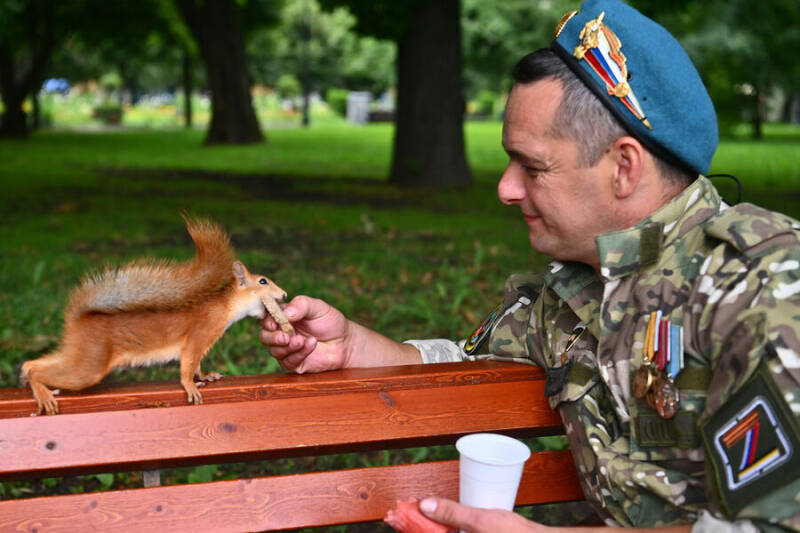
(581, 116)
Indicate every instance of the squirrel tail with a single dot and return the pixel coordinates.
(160, 285)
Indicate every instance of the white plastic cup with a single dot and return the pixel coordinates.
(490, 467)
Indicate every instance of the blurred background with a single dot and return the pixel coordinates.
(351, 148)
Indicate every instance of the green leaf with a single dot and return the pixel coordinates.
(106, 480)
(202, 474)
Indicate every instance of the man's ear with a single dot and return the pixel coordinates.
(628, 154)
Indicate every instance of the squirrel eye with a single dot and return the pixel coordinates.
(263, 281)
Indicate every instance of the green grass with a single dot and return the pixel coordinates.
(310, 208)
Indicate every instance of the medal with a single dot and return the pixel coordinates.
(663, 360)
(651, 392)
(643, 381)
(667, 399)
(645, 375)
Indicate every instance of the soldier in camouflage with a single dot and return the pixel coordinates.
(609, 177)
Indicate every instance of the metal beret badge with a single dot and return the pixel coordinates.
(601, 48)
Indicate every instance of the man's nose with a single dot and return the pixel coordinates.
(510, 189)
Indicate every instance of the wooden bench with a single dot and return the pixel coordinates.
(149, 426)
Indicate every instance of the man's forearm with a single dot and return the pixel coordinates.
(368, 348)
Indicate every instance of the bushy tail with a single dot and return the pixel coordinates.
(160, 285)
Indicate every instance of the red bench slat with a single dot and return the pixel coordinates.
(281, 502)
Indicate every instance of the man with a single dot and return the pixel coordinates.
(667, 321)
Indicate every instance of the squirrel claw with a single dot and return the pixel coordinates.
(211, 376)
(193, 395)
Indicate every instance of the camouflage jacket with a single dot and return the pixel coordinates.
(730, 276)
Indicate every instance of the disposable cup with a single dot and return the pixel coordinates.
(490, 467)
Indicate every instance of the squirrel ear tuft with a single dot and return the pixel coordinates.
(240, 271)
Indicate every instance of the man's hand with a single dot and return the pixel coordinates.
(325, 339)
(473, 520)
(320, 339)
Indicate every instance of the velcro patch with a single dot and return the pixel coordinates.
(678, 431)
(753, 442)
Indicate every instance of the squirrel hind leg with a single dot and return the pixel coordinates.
(57, 371)
(45, 399)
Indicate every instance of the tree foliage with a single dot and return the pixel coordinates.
(497, 33)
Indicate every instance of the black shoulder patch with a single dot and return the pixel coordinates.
(753, 443)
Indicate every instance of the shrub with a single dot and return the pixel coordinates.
(484, 102)
(337, 100)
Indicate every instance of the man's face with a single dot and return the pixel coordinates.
(565, 206)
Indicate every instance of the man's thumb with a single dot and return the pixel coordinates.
(443, 511)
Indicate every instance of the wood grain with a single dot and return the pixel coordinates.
(280, 502)
(176, 436)
(18, 402)
(145, 426)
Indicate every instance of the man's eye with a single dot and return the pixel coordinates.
(532, 171)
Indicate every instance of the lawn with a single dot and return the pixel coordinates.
(310, 208)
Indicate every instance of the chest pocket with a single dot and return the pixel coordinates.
(657, 439)
(571, 381)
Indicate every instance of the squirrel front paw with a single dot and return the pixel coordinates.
(193, 395)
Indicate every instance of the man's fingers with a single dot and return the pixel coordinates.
(474, 520)
(273, 338)
(306, 308)
(446, 512)
(269, 324)
(292, 359)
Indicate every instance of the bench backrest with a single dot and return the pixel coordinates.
(147, 426)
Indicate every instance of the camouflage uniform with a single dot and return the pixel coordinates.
(731, 277)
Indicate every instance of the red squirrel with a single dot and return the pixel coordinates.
(148, 312)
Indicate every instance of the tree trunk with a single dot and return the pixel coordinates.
(215, 26)
(306, 120)
(16, 82)
(758, 113)
(429, 134)
(187, 90)
(37, 110)
(14, 122)
(786, 106)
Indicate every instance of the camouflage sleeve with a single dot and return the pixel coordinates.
(501, 336)
(748, 308)
(707, 523)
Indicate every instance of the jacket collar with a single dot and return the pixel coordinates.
(628, 251)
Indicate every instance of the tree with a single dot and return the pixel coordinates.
(428, 147)
(314, 45)
(216, 27)
(87, 36)
(28, 36)
(498, 33)
(742, 50)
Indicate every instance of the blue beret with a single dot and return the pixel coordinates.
(644, 77)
